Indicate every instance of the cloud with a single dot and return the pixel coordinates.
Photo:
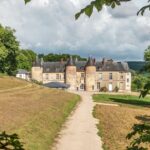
(49, 26)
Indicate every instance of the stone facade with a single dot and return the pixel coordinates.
(90, 76)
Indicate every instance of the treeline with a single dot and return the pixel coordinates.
(12, 57)
(59, 57)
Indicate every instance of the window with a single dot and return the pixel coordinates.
(57, 76)
(121, 77)
(121, 86)
(128, 80)
(110, 76)
(100, 76)
(46, 76)
(82, 86)
(98, 85)
(92, 87)
(82, 75)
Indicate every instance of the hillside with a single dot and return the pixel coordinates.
(136, 65)
(35, 113)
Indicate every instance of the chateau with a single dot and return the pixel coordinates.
(90, 75)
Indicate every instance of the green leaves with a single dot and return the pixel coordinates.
(98, 4)
(140, 134)
(10, 142)
(146, 90)
(27, 1)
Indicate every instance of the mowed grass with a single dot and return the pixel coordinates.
(10, 82)
(115, 122)
(35, 113)
(122, 99)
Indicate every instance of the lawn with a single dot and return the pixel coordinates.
(115, 122)
(35, 113)
(11, 82)
(122, 99)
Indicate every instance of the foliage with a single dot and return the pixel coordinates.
(25, 59)
(10, 142)
(59, 57)
(146, 90)
(103, 89)
(140, 134)
(99, 4)
(147, 54)
(116, 89)
(138, 81)
(9, 48)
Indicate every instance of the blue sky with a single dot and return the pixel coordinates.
(48, 26)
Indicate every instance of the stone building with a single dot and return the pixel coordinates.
(90, 75)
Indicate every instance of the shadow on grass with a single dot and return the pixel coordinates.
(143, 118)
(132, 102)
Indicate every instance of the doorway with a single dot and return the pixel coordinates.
(110, 87)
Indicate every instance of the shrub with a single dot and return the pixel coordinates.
(103, 89)
(116, 89)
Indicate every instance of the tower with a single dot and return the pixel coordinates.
(70, 74)
(37, 70)
(90, 75)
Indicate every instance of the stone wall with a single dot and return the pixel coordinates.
(90, 78)
(71, 77)
(37, 74)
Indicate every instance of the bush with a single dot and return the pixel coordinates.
(103, 89)
(116, 89)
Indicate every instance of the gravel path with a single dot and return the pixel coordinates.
(80, 132)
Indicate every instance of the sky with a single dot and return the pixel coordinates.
(49, 26)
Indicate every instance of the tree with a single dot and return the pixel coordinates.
(23, 62)
(99, 4)
(25, 59)
(146, 88)
(9, 48)
(147, 54)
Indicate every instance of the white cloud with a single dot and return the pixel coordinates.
(49, 26)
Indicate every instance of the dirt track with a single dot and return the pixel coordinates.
(80, 132)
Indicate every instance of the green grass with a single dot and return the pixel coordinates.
(122, 99)
(38, 135)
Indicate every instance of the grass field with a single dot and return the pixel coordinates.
(35, 113)
(10, 82)
(122, 99)
(115, 122)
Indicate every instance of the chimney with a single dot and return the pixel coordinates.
(94, 61)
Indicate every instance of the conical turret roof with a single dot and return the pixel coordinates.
(90, 62)
(70, 62)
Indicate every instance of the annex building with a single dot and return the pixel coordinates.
(90, 75)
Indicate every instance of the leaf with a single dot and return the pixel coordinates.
(88, 10)
(77, 15)
(27, 1)
(113, 5)
(98, 5)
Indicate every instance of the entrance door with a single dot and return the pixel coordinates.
(110, 87)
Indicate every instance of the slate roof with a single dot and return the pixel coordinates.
(104, 65)
(22, 71)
